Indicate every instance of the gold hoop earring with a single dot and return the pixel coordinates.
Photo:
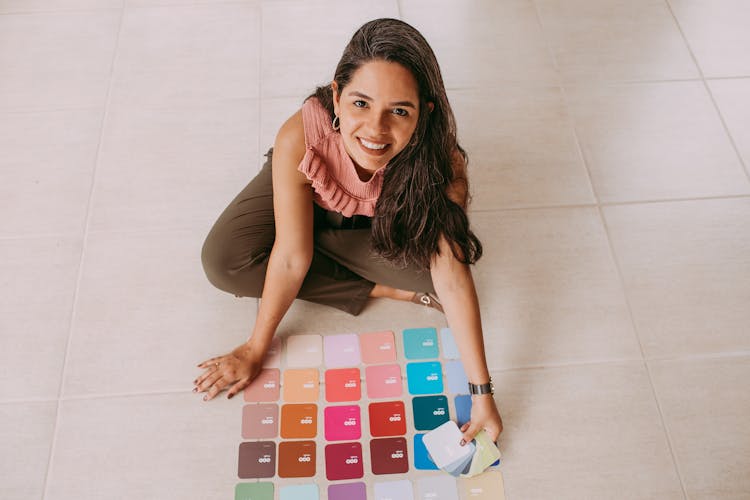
(336, 122)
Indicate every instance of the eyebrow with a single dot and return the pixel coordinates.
(408, 104)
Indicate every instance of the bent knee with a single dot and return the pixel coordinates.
(237, 271)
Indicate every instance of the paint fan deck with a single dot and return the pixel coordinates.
(343, 416)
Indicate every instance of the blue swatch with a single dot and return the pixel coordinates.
(299, 492)
(457, 381)
(450, 349)
(463, 409)
(424, 378)
(421, 343)
(422, 459)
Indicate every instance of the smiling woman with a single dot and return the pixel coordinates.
(366, 197)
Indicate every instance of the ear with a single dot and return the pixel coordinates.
(336, 97)
(430, 106)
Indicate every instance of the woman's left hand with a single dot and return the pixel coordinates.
(484, 415)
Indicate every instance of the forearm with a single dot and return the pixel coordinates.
(455, 287)
(284, 277)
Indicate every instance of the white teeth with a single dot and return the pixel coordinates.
(372, 145)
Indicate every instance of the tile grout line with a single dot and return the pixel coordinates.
(708, 91)
(613, 256)
(84, 243)
(256, 300)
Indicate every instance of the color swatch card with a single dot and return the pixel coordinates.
(351, 417)
(443, 446)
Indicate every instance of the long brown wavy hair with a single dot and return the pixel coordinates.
(413, 209)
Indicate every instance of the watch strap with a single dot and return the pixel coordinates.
(487, 388)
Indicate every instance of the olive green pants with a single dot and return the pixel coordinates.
(344, 268)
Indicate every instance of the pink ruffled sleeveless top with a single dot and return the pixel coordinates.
(335, 182)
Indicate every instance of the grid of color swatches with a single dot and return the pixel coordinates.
(342, 417)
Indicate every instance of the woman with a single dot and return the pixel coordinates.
(366, 197)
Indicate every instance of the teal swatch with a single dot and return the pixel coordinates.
(421, 343)
(425, 377)
(430, 412)
(253, 491)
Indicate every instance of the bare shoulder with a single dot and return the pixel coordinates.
(289, 147)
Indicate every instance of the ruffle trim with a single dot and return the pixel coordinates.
(331, 195)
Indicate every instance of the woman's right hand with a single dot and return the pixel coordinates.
(233, 371)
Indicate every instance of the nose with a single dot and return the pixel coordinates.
(378, 123)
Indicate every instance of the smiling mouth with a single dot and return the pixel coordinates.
(373, 147)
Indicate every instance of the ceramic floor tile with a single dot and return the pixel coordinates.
(48, 164)
(273, 114)
(25, 6)
(716, 31)
(522, 148)
(292, 66)
(685, 267)
(733, 99)
(589, 431)
(615, 40)
(655, 141)
(179, 55)
(705, 404)
(39, 278)
(487, 44)
(165, 446)
(549, 290)
(26, 435)
(37, 71)
(168, 168)
(146, 309)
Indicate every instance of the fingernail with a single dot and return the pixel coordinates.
(195, 389)
(230, 396)
(205, 398)
(463, 442)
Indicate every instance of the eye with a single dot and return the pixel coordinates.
(400, 112)
(360, 103)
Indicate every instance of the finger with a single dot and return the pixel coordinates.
(210, 370)
(469, 434)
(214, 390)
(208, 362)
(237, 388)
(464, 427)
(209, 381)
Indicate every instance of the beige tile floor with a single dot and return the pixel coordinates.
(610, 158)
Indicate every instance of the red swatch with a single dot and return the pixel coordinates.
(387, 419)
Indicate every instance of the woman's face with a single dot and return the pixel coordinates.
(378, 112)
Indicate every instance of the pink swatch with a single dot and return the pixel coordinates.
(378, 347)
(341, 350)
(383, 381)
(342, 423)
(265, 387)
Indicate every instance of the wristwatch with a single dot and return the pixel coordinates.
(487, 388)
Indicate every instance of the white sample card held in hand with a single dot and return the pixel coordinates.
(443, 445)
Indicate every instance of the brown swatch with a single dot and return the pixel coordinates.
(257, 459)
(297, 459)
